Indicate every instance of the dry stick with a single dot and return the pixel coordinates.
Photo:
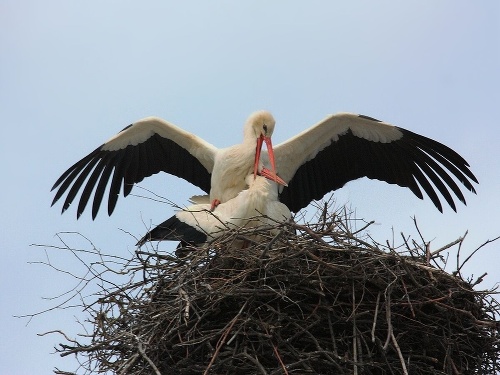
(388, 318)
(223, 338)
(59, 372)
(428, 253)
(332, 335)
(454, 367)
(62, 333)
(323, 215)
(143, 354)
(363, 228)
(375, 317)
(475, 251)
(400, 355)
(354, 337)
(310, 232)
(405, 266)
(408, 298)
(272, 242)
(277, 354)
(185, 297)
(129, 363)
(418, 230)
(242, 326)
(349, 235)
(254, 361)
(457, 272)
(470, 315)
(406, 242)
(479, 280)
(458, 240)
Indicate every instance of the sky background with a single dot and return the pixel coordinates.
(72, 74)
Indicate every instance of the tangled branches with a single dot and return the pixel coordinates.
(315, 299)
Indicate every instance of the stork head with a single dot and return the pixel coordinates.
(259, 128)
(260, 123)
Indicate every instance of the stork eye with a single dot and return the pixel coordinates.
(265, 128)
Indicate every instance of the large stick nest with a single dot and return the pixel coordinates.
(315, 299)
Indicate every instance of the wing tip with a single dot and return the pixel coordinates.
(369, 118)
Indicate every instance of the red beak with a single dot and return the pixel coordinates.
(270, 152)
(272, 176)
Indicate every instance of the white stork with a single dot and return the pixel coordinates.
(338, 149)
(197, 224)
(151, 145)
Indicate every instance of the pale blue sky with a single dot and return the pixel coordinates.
(72, 74)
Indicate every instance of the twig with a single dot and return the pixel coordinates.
(398, 349)
(375, 315)
(60, 332)
(475, 251)
(354, 332)
(277, 354)
(445, 247)
(185, 298)
(223, 338)
(151, 363)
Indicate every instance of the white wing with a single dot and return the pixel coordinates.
(345, 146)
(140, 150)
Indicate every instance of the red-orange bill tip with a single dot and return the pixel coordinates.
(270, 175)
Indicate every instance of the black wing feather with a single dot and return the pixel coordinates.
(116, 182)
(413, 161)
(132, 156)
(128, 166)
(424, 182)
(449, 158)
(87, 191)
(101, 187)
(78, 183)
(174, 229)
(67, 177)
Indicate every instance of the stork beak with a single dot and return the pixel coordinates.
(272, 176)
(270, 152)
(257, 156)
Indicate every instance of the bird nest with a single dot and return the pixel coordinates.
(315, 299)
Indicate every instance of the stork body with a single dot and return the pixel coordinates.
(338, 149)
(152, 145)
(231, 166)
(256, 206)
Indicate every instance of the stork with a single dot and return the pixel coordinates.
(197, 224)
(151, 145)
(340, 148)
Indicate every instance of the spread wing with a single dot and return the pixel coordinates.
(345, 147)
(140, 150)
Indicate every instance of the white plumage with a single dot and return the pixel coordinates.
(152, 145)
(346, 146)
(338, 149)
(254, 207)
